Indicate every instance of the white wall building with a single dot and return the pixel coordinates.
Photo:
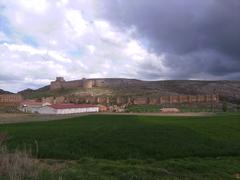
(31, 106)
(68, 109)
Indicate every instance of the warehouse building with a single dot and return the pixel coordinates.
(68, 109)
(31, 106)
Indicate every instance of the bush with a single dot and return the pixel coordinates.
(224, 107)
(238, 107)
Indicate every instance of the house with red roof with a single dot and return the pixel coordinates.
(68, 109)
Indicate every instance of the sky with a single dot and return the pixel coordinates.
(149, 40)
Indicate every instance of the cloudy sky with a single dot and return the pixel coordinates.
(151, 40)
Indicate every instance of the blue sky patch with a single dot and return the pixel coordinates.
(5, 26)
(30, 41)
(76, 53)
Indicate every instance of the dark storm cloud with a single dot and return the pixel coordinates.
(198, 37)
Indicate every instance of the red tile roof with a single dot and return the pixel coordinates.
(71, 106)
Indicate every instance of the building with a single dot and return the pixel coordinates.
(68, 109)
(169, 110)
(32, 106)
(60, 83)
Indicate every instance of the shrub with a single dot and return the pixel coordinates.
(17, 165)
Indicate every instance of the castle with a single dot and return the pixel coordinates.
(60, 83)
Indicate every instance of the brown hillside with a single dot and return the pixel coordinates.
(227, 90)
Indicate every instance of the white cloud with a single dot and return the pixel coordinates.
(38, 6)
(30, 51)
(76, 25)
(71, 42)
(91, 48)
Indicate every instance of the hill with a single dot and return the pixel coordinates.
(4, 92)
(227, 90)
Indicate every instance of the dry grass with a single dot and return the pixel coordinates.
(17, 165)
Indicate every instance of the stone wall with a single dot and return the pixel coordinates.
(182, 99)
(141, 100)
(170, 99)
(10, 99)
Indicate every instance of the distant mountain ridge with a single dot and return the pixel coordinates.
(4, 92)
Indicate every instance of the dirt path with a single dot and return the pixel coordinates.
(164, 114)
(6, 118)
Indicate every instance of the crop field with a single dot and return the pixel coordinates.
(135, 147)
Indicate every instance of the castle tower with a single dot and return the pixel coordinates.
(57, 84)
(87, 84)
(60, 79)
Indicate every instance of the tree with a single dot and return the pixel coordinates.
(238, 107)
(224, 107)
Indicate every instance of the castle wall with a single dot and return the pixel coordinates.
(99, 83)
(60, 83)
(154, 101)
(182, 99)
(55, 86)
(71, 84)
(164, 100)
(10, 98)
(103, 100)
(193, 99)
(174, 99)
(140, 101)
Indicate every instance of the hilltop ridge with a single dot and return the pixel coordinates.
(5, 92)
(227, 90)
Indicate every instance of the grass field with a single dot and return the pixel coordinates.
(135, 147)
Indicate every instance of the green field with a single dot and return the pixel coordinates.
(135, 147)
